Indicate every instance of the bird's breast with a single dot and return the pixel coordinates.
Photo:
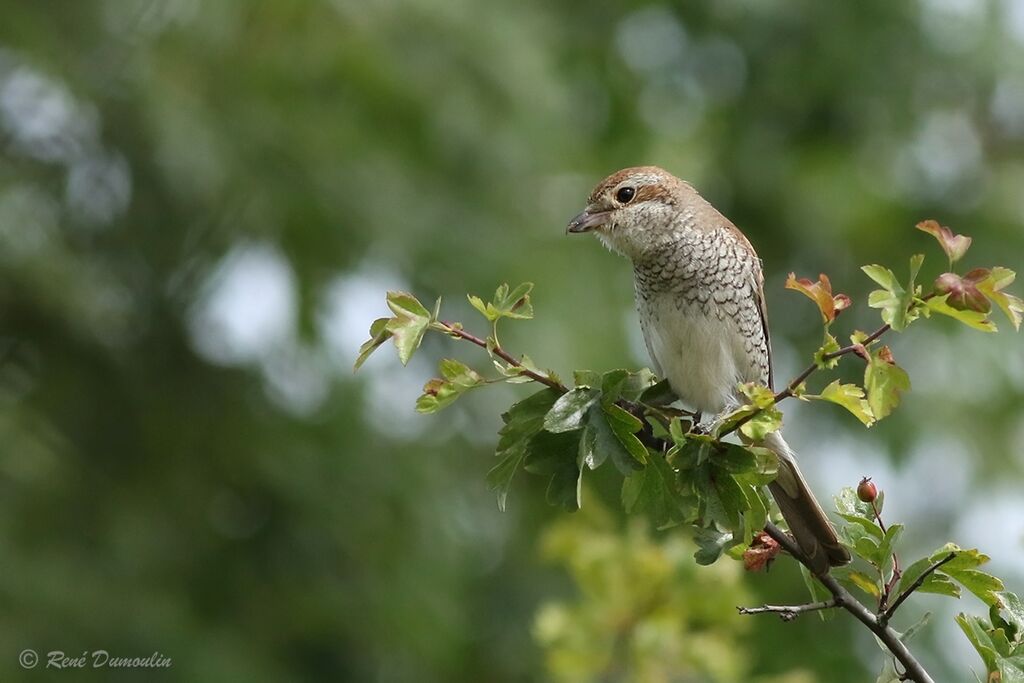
(692, 347)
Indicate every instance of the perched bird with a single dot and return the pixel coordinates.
(699, 293)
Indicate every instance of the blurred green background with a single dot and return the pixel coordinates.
(203, 203)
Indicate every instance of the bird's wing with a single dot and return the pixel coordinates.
(757, 286)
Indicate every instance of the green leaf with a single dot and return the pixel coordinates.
(608, 444)
(410, 322)
(565, 488)
(478, 303)
(975, 319)
(547, 453)
(964, 569)
(659, 394)
(884, 382)
(440, 393)
(863, 582)
(378, 335)
(848, 504)
(940, 584)
(758, 395)
(893, 299)
(916, 627)
(991, 287)
(506, 304)
(885, 548)
(654, 490)
(818, 593)
(883, 276)
(625, 425)
(849, 396)
(766, 421)
(828, 346)
(1013, 607)
(867, 525)
(522, 421)
(977, 632)
(567, 413)
(710, 544)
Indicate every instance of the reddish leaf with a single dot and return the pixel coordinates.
(820, 292)
(763, 549)
(963, 292)
(955, 246)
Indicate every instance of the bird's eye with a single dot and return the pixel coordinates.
(625, 195)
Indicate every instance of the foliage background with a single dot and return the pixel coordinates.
(201, 205)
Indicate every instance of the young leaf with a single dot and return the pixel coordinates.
(410, 322)
(828, 346)
(992, 287)
(820, 292)
(849, 396)
(893, 299)
(955, 246)
(975, 319)
(378, 335)
(439, 393)
(963, 292)
(765, 422)
(884, 382)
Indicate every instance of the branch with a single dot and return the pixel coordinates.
(456, 331)
(843, 598)
(789, 612)
(887, 614)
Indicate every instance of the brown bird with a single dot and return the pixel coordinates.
(699, 293)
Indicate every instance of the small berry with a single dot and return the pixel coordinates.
(867, 491)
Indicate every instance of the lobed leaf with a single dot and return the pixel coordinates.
(849, 396)
(820, 293)
(884, 382)
(409, 324)
(522, 422)
(975, 319)
(378, 335)
(992, 287)
(955, 246)
(567, 413)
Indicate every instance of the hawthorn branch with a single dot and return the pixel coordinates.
(887, 614)
(456, 330)
(843, 599)
(789, 612)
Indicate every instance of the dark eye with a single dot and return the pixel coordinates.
(625, 195)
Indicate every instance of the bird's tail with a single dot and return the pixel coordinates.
(806, 519)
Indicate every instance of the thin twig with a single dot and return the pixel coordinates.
(457, 331)
(789, 612)
(890, 638)
(887, 614)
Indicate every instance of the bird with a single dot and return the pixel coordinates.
(699, 291)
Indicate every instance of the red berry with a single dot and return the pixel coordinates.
(867, 491)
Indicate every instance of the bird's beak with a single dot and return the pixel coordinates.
(587, 221)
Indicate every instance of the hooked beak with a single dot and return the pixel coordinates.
(587, 221)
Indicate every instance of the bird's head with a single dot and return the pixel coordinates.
(635, 208)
